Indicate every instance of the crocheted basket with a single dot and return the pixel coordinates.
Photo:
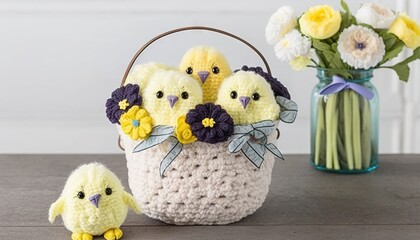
(206, 184)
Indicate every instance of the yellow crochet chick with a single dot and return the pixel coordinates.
(93, 202)
(209, 67)
(169, 95)
(141, 74)
(248, 98)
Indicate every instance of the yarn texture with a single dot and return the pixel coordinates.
(205, 184)
(122, 99)
(210, 123)
(208, 66)
(278, 88)
(93, 202)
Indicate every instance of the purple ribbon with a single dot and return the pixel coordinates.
(338, 84)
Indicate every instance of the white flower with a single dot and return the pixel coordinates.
(280, 23)
(292, 45)
(301, 62)
(360, 47)
(375, 15)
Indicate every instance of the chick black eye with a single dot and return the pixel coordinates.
(159, 94)
(233, 94)
(108, 191)
(256, 96)
(189, 70)
(215, 70)
(81, 195)
(184, 95)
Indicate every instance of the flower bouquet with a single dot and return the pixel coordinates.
(345, 49)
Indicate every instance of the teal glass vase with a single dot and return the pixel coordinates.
(344, 124)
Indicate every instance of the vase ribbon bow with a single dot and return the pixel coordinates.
(252, 141)
(338, 84)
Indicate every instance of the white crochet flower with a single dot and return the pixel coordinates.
(280, 23)
(301, 62)
(360, 47)
(375, 15)
(292, 45)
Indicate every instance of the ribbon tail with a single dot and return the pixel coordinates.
(332, 88)
(175, 150)
(254, 153)
(275, 151)
(365, 92)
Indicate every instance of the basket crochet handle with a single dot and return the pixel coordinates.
(133, 60)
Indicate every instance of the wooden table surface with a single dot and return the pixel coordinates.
(302, 204)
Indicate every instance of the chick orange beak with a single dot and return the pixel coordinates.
(172, 100)
(95, 199)
(244, 101)
(203, 76)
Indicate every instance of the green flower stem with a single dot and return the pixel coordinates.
(366, 133)
(334, 134)
(356, 130)
(328, 122)
(341, 135)
(347, 129)
(331, 126)
(320, 128)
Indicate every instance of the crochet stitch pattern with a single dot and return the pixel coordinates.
(205, 185)
(122, 99)
(278, 88)
(210, 123)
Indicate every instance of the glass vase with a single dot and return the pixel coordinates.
(344, 124)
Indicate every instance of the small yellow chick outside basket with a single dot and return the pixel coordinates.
(93, 202)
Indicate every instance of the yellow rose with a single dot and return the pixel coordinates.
(320, 22)
(183, 131)
(407, 30)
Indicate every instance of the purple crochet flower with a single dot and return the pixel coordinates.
(278, 88)
(122, 99)
(210, 123)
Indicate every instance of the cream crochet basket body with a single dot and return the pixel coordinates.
(205, 184)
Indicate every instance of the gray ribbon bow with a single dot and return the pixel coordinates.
(158, 135)
(252, 141)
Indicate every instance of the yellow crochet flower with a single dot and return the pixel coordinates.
(407, 30)
(183, 131)
(320, 22)
(208, 122)
(137, 123)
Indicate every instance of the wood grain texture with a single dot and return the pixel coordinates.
(302, 203)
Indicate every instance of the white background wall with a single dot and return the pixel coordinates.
(60, 60)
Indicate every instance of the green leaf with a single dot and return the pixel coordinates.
(413, 57)
(345, 6)
(393, 52)
(389, 40)
(347, 19)
(321, 45)
(402, 70)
